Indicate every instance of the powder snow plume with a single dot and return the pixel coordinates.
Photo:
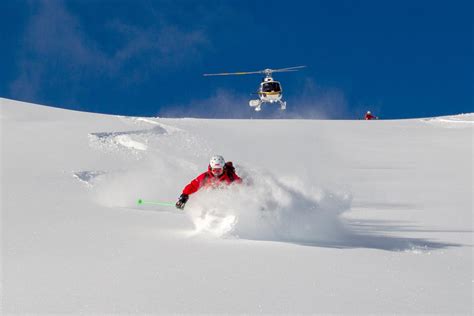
(266, 208)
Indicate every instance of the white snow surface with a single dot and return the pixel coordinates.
(351, 217)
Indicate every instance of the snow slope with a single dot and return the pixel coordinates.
(334, 216)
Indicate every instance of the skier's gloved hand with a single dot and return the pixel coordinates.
(182, 201)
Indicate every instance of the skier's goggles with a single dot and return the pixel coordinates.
(217, 170)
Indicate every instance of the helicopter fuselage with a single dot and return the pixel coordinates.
(270, 91)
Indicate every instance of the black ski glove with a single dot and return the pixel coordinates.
(182, 201)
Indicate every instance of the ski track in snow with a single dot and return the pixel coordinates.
(453, 121)
(138, 142)
(87, 177)
(134, 141)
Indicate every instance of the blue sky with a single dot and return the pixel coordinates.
(400, 59)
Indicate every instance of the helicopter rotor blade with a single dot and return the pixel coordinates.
(234, 73)
(267, 71)
(296, 68)
(286, 70)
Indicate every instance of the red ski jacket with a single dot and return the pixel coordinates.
(208, 180)
(370, 117)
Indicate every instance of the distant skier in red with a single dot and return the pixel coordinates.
(369, 116)
(218, 173)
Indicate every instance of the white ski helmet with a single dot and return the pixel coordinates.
(368, 112)
(217, 162)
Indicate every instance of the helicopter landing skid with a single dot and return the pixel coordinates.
(256, 104)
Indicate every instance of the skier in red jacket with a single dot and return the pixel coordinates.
(369, 116)
(218, 173)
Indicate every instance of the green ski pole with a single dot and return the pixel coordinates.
(142, 202)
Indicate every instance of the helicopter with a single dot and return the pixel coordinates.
(270, 91)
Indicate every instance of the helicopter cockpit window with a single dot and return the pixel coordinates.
(271, 87)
